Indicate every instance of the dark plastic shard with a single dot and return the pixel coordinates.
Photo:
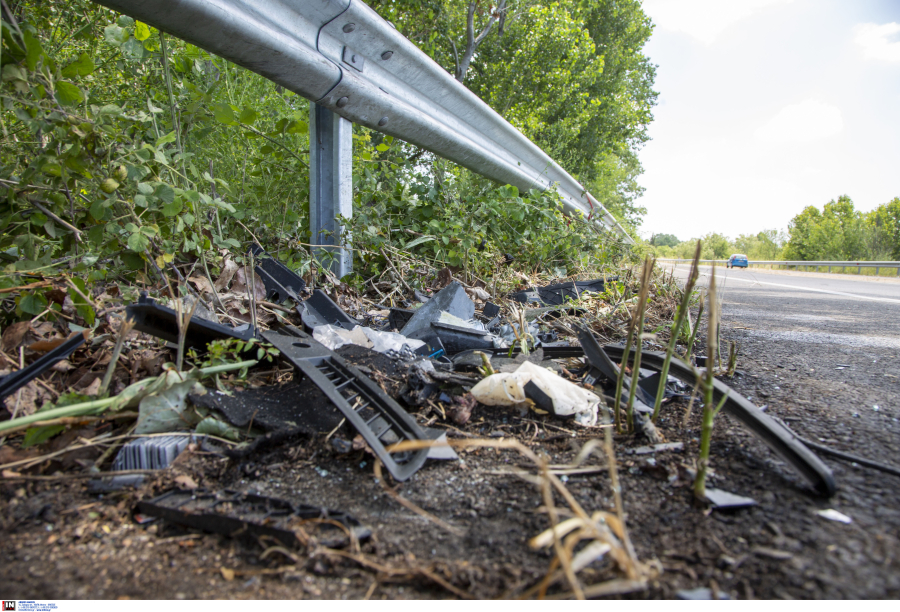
(398, 317)
(280, 281)
(490, 310)
(16, 380)
(603, 366)
(235, 514)
(780, 439)
(320, 309)
(558, 294)
(452, 299)
(159, 321)
(456, 338)
(373, 413)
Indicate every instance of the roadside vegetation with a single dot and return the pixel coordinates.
(838, 232)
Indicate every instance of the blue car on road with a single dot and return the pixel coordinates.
(737, 261)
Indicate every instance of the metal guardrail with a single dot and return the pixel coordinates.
(343, 56)
(859, 265)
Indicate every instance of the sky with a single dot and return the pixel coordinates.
(766, 107)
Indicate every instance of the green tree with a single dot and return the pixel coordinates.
(664, 240)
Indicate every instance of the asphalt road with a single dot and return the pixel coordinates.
(822, 352)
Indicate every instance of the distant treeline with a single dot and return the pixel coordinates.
(838, 232)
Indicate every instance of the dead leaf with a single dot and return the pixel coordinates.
(186, 481)
(227, 574)
(202, 284)
(93, 388)
(13, 335)
(30, 398)
(477, 293)
(62, 366)
(241, 278)
(461, 410)
(444, 278)
(56, 295)
(229, 267)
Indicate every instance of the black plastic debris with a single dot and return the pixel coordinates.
(235, 514)
(296, 405)
(373, 413)
(777, 437)
(14, 381)
(280, 281)
(490, 310)
(148, 453)
(399, 317)
(320, 309)
(156, 320)
(456, 338)
(723, 500)
(452, 299)
(558, 294)
(603, 369)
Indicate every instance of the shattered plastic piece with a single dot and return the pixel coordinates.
(701, 594)
(452, 299)
(334, 337)
(231, 514)
(656, 448)
(398, 317)
(556, 295)
(373, 413)
(159, 321)
(564, 397)
(723, 500)
(381, 342)
(275, 408)
(16, 380)
(320, 309)
(490, 310)
(441, 450)
(834, 515)
(774, 434)
(281, 283)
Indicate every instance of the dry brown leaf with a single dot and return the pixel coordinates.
(477, 293)
(227, 574)
(241, 278)
(30, 398)
(93, 388)
(202, 284)
(186, 481)
(13, 335)
(228, 270)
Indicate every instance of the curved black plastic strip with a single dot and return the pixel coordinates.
(16, 380)
(776, 436)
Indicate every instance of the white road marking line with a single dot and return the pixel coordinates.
(852, 295)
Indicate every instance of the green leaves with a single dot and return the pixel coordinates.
(223, 113)
(81, 306)
(83, 65)
(141, 31)
(33, 49)
(248, 116)
(68, 94)
(115, 35)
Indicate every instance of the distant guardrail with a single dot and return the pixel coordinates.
(859, 265)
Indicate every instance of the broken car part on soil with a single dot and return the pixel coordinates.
(776, 436)
(16, 380)
(320, 310)
(280, 282)
(373, 413)
(558, 294)
(235, 514)
(160, 321)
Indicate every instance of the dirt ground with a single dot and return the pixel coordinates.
(62, 542)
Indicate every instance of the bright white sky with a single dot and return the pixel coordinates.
(769, 106)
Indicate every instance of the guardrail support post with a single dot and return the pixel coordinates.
(330, 185)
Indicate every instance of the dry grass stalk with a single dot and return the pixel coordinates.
(639, 339)
(126, 326)
(602, 526)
